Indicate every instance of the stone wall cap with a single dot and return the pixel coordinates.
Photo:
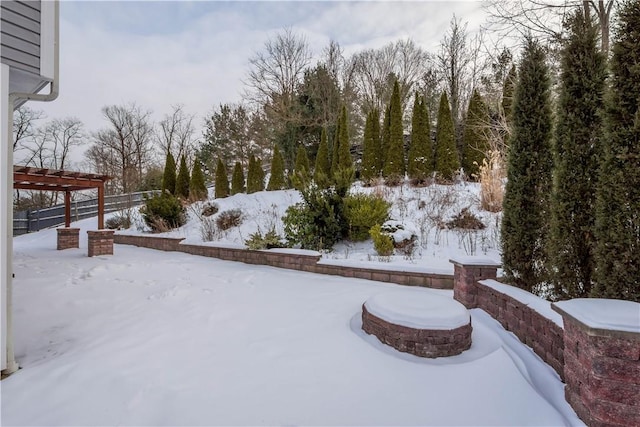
(475, 261)
(67, 229)
(602, 314)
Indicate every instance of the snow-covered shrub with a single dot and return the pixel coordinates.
(465, 220)
(382, 242)
(363, 211)
(208, 229)
(403, 236)
(209, 209)
(268, 241)
(163, 212)
(228, 219)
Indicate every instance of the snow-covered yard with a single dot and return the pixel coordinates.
(152, 338)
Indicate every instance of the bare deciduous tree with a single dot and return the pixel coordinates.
(175, 134)
(24, 119)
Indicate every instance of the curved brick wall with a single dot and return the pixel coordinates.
(420, 342)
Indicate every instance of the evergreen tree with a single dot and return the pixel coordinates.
(222, 180)
(182, 181)
(394, 158)
(197, 186)
(370, 149)
(508, 91)
(335, 152)
(277, 179)
(344, 146)
(420, 158)
(618, 196)
(322, 169)
(254, 183)
(475, 144)
(169, 175)
(525, 205)
(447, 161)
(385, 135)
(576, 154)
(237, 179)
(302, 162)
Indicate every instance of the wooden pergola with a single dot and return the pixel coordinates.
(29, 178)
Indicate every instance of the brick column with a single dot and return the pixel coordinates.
(602, 362)
(68, 238)
(466, 272)
(100, 242)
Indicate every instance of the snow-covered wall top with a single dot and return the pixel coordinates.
(606, 314)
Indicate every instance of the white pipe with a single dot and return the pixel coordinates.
(12, 366)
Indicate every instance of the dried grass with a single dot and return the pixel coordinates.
(491, 174)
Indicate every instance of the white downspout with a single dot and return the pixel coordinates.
(12, 366)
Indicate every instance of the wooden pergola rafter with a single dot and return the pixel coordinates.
(42, 179)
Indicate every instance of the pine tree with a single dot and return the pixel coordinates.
(394, 159)
(618, 196)
(237, 179)
(475, 144)
(576, 153)
(322, 169)
(447, 161)
(525, 205)
(197, 186)
(370, 150)
(277, 179)
(222, 180)
(182, 181)
(169, 175)
(508, 91)
(420, 158)
(255, 176)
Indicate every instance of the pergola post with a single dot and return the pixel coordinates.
(101, 206)
(67, 209)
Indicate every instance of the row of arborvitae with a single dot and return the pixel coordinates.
(571, 224)
(166, 210)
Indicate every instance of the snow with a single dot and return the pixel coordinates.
(418, 309)
(541, 306)
(607, 314)
(476, 261)
(148, 337)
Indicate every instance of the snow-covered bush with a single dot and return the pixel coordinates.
(403, 235)
(228, 219)
(163, 212)
(268, 241)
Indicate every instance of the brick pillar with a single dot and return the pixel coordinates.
(100, 242)
(466, 272)
(68, 238)
(602, 360)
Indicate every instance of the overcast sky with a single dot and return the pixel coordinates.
(197, 53)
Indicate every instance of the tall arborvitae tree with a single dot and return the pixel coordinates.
(525, 205)
(169, 175)
(344, 145)
(237, 179)
(322, 170)
(393, 170)
(420, 158)
(447, 159)
(385, 135)
(197, 186)
(508, 91)
(302, 162)
(277, 180)
(255, 176)
(222, 180)
(370, 148)
(335, 152)
(474, 141)
(182, 181)
(618, 195)
(576, 155)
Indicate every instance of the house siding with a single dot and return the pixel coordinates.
(20, 35)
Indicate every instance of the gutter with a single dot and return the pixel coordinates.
(12, 365)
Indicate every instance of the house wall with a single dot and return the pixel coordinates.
(20, 35)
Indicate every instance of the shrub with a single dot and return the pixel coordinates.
(228, 219)
(268, 241)
(163, 212)
(403, 236)
(382, 242)
(363, 211)
(210, 209)
(465, 220)
(118, 222)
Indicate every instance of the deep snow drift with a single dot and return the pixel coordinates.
(146, 337)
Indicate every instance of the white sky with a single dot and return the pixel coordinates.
(196, 53)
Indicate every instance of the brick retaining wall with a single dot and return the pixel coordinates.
(68, 238)
(288, 259)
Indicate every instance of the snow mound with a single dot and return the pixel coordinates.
(608, 314)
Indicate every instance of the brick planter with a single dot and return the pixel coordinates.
(100, 242)
(602, 363)
(437, 336)
(68, 238)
